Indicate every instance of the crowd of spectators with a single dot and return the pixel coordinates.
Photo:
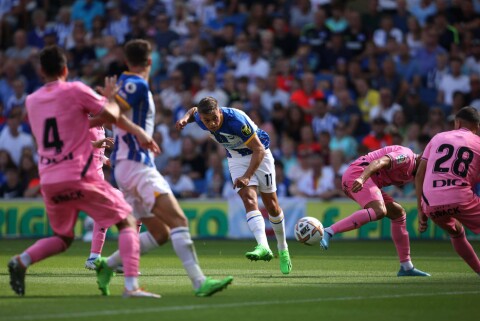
(328, 80)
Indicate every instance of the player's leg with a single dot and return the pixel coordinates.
(156, 235)
(459, 241)
(256, 224)
(98, 240)
(62, 218)
(107, 207)
(277, 221)
(168, 210)
(396, 213)
(369, 198)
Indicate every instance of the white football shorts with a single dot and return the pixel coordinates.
(264, 176)
(140, 184)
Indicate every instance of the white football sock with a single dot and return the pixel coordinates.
(278, 226)
(329, 231)
(25, 259)
(131, 283)
(256, 223)
(147, 243)
(408, 265)
(183, 246)
(93, 255)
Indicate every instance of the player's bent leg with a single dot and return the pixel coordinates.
(373, 211)
(169, 211)
(98, 240)
(156, 235)
(256, 224)
(459, 242)
(43, 248)
(277, 221)
(398, 217)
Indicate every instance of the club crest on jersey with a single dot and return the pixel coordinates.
(130, 87)
(400, 159)
(246, 130)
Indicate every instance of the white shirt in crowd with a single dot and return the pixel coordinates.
(387, 114)
(450, 84)
(325, 183)
(15, 145)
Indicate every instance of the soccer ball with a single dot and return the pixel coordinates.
(309, 230)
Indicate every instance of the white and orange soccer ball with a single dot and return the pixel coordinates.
(309, 231)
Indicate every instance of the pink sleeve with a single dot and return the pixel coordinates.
(89, 100)
(426, 152)
(401, 157)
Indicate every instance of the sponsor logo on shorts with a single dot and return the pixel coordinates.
(444, 212)
(55, 160)
(246, 130)
(66, 197)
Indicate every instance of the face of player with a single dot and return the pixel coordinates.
(213, 121)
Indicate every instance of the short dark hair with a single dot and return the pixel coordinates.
(53, 60)
(207, 105)
(137, 52)
(468, 114)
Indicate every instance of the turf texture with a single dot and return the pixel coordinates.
(351, 281)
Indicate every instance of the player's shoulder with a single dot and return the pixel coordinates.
(131, 83)
(233, 114)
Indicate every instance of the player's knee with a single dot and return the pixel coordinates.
(67, 241)
(161, 237)
(396, 212)
(273, 209)
(380, 212)
(129, 221)
(456, 231)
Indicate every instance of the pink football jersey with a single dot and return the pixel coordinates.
(97, 133)
(403, 162)
(452, 167)
(58, 114)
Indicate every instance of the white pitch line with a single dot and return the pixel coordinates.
(226, 305)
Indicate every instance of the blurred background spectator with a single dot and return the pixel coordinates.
(328, 80)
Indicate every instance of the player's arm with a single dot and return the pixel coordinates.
(143, 138)
(258, 153)
(419, 178)
(186, 119)
(372, 168)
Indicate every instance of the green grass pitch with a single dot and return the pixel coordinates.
(351, 281)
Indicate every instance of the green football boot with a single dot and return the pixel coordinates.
(104, 275)
(285, 262)
(211, 286)
(260, 253)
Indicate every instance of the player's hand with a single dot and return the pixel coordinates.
(180, 124)
(147, 142)
(357, 185)
(241, 182)
(108, 162)
(422, 221)
(107, 142)
(110, 89)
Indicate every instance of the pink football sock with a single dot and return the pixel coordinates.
(98, 239)
(46, 247)
(354, 221)
(400, 238)
(129, 246)
(465, 250)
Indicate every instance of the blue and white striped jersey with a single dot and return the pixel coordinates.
(236, 131)
(135, 95)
